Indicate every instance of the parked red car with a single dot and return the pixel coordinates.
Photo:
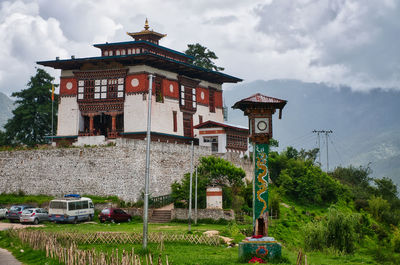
(114, 215)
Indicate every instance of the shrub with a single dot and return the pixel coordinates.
(315, 236)
(336, 231)
(274, 205)
(341, 230)
(396, 240)
(377, 206)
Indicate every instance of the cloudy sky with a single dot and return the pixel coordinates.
(339, 42)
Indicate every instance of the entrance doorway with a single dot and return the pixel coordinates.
(103, 125)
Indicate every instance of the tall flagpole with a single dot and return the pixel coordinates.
(146, 185)
(52, 112)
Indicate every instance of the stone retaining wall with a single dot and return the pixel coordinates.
(117, 170)
(182, 214)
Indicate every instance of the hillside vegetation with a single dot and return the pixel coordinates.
(343, 216)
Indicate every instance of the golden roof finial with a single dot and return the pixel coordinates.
(146, 25)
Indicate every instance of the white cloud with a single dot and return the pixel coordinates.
(350, 42)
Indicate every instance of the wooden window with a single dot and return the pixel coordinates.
(187, 125)
(188, 98)
(89, 89)
(158, 89)
(100, 89)
(175, 121)
(200, 119)
(211, 100)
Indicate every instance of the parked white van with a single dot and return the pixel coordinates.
(72, 208)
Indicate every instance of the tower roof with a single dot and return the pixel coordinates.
(147, 34)
(260, 101)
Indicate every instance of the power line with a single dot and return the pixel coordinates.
(326, 132)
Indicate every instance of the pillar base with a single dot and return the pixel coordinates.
(265, 248)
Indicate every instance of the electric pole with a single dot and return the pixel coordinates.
(326, 132)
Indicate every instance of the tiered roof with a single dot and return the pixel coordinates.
(147, 51)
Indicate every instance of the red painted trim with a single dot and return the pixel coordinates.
(63, 87)
(214, 193)
(143, 85)
(218, 98)
(212, 132)
(167, 91)
(198, 95)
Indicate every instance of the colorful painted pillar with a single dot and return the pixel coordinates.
(259, 109)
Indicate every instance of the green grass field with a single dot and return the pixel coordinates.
(288, 230)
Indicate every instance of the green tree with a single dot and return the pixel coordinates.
(212, 170)
(386, 188)
(203, 57)
(32, 116)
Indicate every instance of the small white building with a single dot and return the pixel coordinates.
(223, 137)
(214, 197)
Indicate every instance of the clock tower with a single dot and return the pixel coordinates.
(259, 109)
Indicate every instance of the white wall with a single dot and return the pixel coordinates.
(214, 201)
(69, 117)
(221, 139)
(162, 117)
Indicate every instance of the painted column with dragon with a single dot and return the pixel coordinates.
(259, 109)
(260, 203)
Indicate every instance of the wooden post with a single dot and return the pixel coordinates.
(91, 124)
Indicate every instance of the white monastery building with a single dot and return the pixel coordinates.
(106, 96)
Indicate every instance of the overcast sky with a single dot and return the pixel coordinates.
(339, 42)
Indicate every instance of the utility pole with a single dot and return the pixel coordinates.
(190, 189)
(319, 146)
(327, 153)
(146, 181)
(326, 132)
(195, 200)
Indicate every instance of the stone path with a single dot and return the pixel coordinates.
(6, 258)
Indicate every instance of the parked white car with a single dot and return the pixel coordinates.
(3, 212)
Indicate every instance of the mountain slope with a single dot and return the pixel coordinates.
(366, 126)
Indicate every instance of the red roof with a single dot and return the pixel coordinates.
(212, 124)
(260, 101)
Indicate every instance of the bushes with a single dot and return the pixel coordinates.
(396, 240)
(338, 231)
(308, 183)
(378, 206)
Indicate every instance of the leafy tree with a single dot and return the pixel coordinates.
(386, 188)
(358, 180)
(212, 170)
(220, 171)
(296, 176)
(3, 138)
(32, 116)
(203, 57)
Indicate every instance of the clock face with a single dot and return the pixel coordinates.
(261, 125)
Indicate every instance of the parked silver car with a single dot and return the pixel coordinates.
(34, 215)
(15, 212)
